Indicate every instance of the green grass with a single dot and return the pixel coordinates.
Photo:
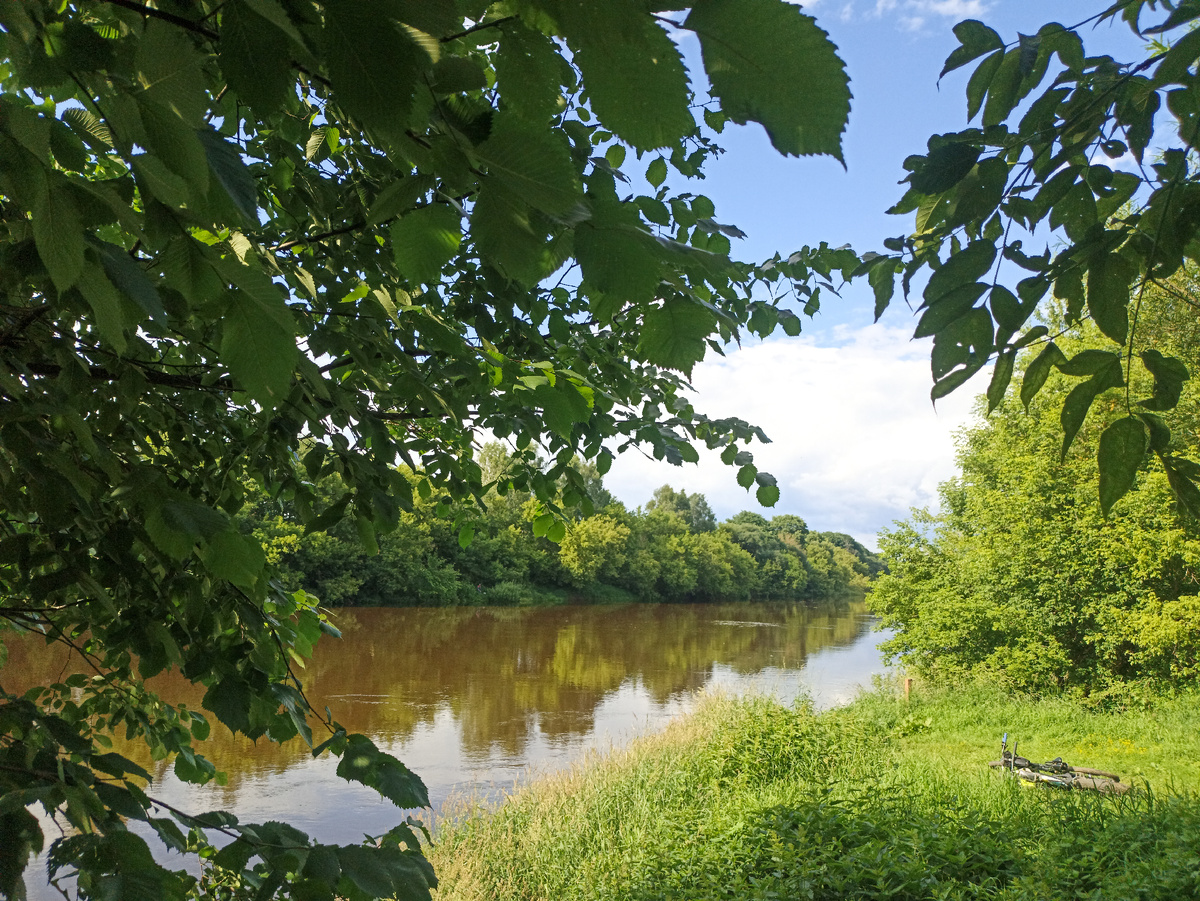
(883, 799)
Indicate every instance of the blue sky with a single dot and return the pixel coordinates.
(856, 442)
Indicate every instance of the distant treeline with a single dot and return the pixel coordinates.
(671, 549)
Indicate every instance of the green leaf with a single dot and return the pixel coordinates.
(616, 254)
(105, 302)
(674, 335)
(770, 63)
(948, 309)
(194, 519)
(1079, 401)
(399, 197)
(944, 167)
(976, 39)
(424, 241)
(256, 345)
(961, 269)
(1109, 277)
(557, 531)
(562, 405)
(1090, 362)
(170, 72)
(363, 762)
(1037, 371)
(1169, 376)
(1187, 495)
(980, 80)
(745, 475)
(58, 234)
(234, 557)
(374, 65)
(533, 163)
(635, 78)
(768, 495)
(1001, 376)
(254, 57)
(131, 280)
(457, 74)
(1122, 450)
(529, 72)
(656, 172)
(507, 235)
(176, 143)
(225, 163)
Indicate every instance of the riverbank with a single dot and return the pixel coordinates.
(748, 799)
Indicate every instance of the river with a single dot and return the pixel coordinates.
(476, 699)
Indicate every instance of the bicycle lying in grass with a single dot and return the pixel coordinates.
(1057, 773)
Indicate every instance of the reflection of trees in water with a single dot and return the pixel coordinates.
(502, 672)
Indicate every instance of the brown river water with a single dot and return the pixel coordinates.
(477, 699)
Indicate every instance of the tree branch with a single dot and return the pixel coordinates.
(480, 26)
(153, 376)
(153, 13)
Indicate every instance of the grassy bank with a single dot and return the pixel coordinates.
(883, 799)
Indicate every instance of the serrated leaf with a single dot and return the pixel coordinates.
(745, 475)
(673, 335)
(1001, 376)
(1122, 449)
(533, 163)
(254, 57)
(175, 143)
(562, 405)
(105, 302)
(374, 65)
(399, 197)
(131, 280)
(259, 350)
(425, 240)
(635, 80)
(225, 163)
(529, 72)
(616, 255)
(751, 48)
(170, 72)
(507, 237)
(58, 235)
(457, 74)
(234, 557)
(768, 495)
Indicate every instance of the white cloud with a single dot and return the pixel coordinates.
(913, 14)
(855, 440)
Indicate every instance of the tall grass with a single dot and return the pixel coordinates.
(883, 799)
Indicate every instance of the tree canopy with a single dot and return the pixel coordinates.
(1078, 182)
(269, 241)
(1023, 578)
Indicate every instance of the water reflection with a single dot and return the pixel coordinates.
(473, 697)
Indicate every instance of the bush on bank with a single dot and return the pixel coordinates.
(749, 799)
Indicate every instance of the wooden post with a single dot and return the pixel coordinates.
(907, 687)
